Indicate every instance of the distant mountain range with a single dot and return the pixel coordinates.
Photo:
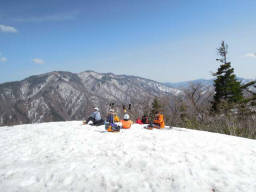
(186, 84)
(203, 82)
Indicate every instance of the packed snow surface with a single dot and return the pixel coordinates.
(69, 156)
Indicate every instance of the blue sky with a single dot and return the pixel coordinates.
(167, 41)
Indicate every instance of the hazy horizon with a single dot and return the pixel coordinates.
(124, 74)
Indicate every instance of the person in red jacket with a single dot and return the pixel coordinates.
(144, 119)
(138, 121)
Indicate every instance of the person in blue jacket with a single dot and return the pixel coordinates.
(110, 124)
(95, 118)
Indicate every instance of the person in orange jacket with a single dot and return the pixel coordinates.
(159, 120)
(126, 123)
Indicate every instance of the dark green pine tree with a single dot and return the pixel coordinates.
(156, 107)
(227, 87)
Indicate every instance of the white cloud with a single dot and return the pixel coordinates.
(3, 59)
(38, 61)
(250, 55)
(7, 29)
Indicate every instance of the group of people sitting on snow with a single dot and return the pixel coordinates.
(157, 121)
(113, 123)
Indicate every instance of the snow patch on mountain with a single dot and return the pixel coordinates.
(85, 75)
(24, 89)
(68, 93)
(37, 109)
(121, 81)
(9, 93)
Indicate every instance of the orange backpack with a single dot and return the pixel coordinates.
(126, 124)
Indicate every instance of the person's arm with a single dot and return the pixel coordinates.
(161, 119)
(92, 115)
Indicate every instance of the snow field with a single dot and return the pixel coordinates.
(69, 156)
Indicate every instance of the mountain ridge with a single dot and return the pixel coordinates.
(61, 95)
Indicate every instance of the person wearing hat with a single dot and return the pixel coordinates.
(159, 120)
(95, 118)
(126, 122)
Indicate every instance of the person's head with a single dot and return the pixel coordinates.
(96, 109)
(126, 117)
(156, 112)
(112, 111)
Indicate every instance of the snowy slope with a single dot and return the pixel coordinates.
(68, 156)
